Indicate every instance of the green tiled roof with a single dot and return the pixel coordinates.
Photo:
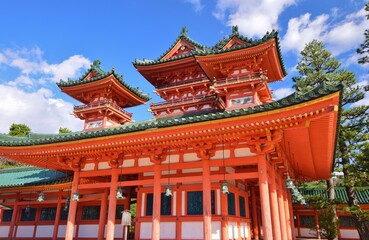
(362, 194)
(202, 50)
(290, 100)
(101, 74)
(30, 176)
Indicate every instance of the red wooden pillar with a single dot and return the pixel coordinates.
(138, 214)
(110, 228)
(282, 215)
(69, 234)
(57, 216)
(264, 199)
(224, 213)
(14, 217)
(255, 222)
(178, 214)
(156, 204)
(289, 215)
(206, 196)
(102, 217)
(274, 207)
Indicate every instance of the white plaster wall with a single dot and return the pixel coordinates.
(25, 231)
(190, 157)
(232, 230)
(129, 163)
(103, 165)
(144, 162)
(88, 230)
(349, 233)
(88, 167)
(218, 201)
(307, 232)
(173, 159)
(118, 231)
(167, 230)
(219, 154)
(243, 152)
(4, 231)
(145, 230)
(192, 170)
(216, 230)
(192, 230)
(61, 231)
(244, 230)
(45, 231)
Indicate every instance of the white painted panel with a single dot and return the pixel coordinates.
(349, 233)
(129, 163)
(214, 168)
(4, 231)
(103, 165)
(192, 170)
(243, 152)
(62, 229)
(216, 230)
(190, 157)
(242, 230)
(167, 230)
(192, 230)
(118, 231)
(89, 167)
(88, 230)
(146, 174)
(307, 232)
(146, 230)
(45, 231)
(25, 231)
(219, 154)
(173, 159)
(144, 162)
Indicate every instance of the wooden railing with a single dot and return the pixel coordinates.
(241, 78)
(102, 104)
(183, 101)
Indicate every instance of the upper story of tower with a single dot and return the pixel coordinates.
(103, 95)
(234, 73)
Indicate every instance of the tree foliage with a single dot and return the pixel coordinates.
(64, 130)
(364, 47)
(317, 66)
(19, 130)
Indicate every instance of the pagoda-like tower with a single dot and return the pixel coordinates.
(232, 74)
(104, 95)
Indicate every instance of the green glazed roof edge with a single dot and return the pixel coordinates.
(290, 100)
(362, 193)
(81, 81)
(217, 49)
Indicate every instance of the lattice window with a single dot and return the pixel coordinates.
(195, 203)
(231, 204)
(242, 206)
(165, 205)
(90, 212)
(307, 221)
(48, 214)
(7, 215)
(29, 215)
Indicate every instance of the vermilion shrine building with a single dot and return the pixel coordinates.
(211, 165)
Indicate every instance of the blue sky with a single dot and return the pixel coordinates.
(44, 41)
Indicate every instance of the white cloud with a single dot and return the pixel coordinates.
(22, 80)
(38, 109)
(196, 5)
(67, 69)
(338, 36)
(31, 63)
(253, 17)
(282, 92)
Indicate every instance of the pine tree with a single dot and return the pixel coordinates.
(317, 66)
(19, 130)
(364, 47)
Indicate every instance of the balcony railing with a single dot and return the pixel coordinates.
(189, 81)
(102, 104)
(241, 78)
(181, 101)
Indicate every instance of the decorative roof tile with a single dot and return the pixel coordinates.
(362, 194)
(30, 176)
(293, 99)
